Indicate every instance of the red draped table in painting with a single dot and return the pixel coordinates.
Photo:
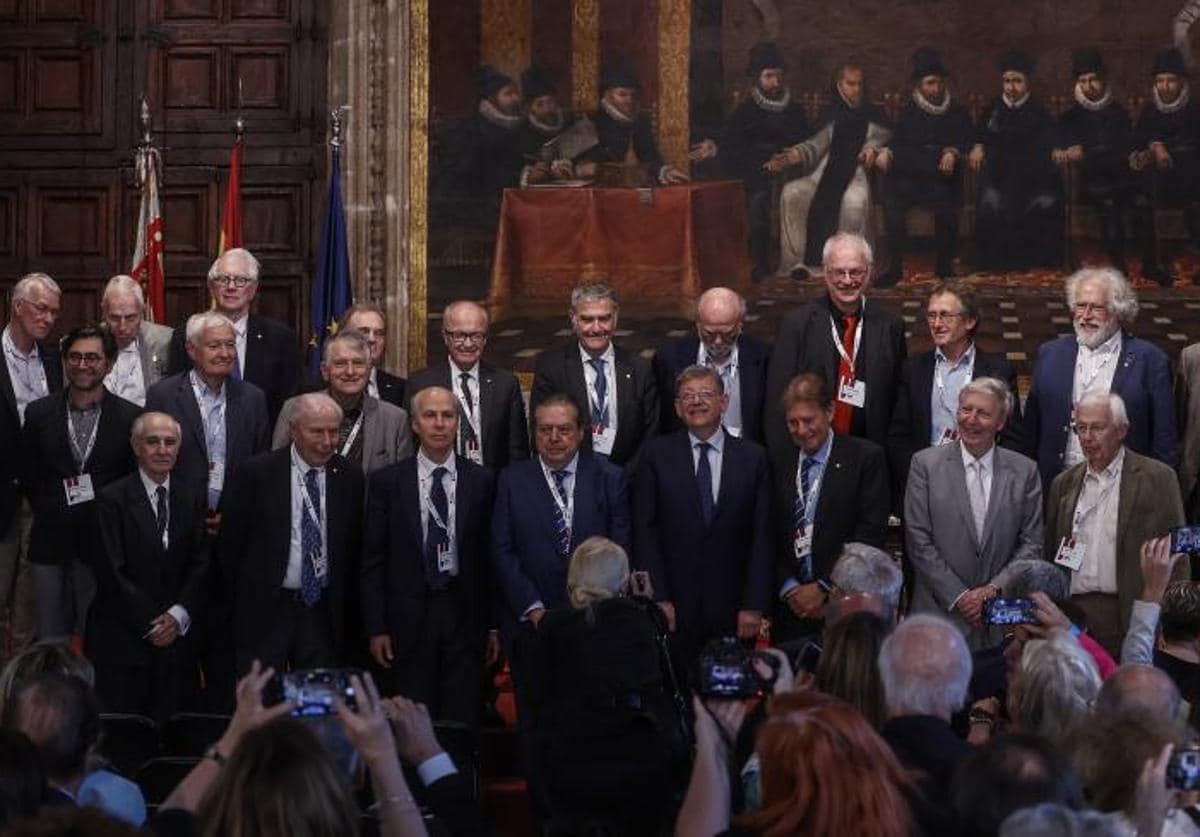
(658, 248)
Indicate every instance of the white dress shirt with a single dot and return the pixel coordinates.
(126, 379)
(472, 414)
(239, 336)
(1094, 369)
(300, 468)
(715, 456)
(26, 372)
(425, 467)
(601, 442)
(731, 419)
(178, 611)
(1095, 528)
(987, 462)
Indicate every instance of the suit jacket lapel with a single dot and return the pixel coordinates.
(685, 466)
(191, 411)
(462, 499)
(372, 430)
(410, 498)
(145, 515)
(731, 465)
(585, 500)
(251, 370)
(487, 398)
(1125, 366)
(233, 417)
(1131, 484)
(959, 491)
(577, 383)
(1001, 475)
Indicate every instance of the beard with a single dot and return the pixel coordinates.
(1092, 340)
(775, 94)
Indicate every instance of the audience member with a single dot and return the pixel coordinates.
(491, 412)
(1050, 819)
(23, 787)
(143, 347)
(720, 344)
(1139, 690)
(865, 569)
(849, 666)
(70, 821)
(1052, 689)
(616, 385)
(369, 320)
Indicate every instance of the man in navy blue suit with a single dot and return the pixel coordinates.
(424, 567)
(1100, 355)
(702, 510)
(719, 344)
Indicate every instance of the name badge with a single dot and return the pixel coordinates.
(949, 436)
(473, 452)
(1070, 554)
(79, 489)
(216, 476)
(802, 541)
(852, 392)
(445, 558)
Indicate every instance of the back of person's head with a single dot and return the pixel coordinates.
(71, 821)
(1006, 774)
(279, 782)
(1110, 752)
(926, 667)
(862, 568)
(22, 783)
(849, 667)
(824, 770)
(1138, 689)
(1052, 689)
(599, 570)
(44, 655)
(59, 715)
(1020, 579)
(1179, 619)
(1050, 820)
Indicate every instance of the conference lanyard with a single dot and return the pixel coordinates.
(434, 516)
(82, 456)
(814, 486)
(567, 507)
(837, 339)
(345, 451)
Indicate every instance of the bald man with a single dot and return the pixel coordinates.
(143, 348)
(289, 542)
(491, 413)
(719, 344)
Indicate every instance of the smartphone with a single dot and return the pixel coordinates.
(639, 583)
(1009, 612)
(1185, 539)
(1183, 770)
(314, 690)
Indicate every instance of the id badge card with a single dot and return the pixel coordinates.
(1070, 554)
(445, 558)
(474, 453)
(802, 541)
(216, 476)
(852, 392)
(79, 489)
(949, 436)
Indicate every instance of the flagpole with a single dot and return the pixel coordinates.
(331, 294)
(147, 262)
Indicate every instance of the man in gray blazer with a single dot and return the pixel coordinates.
(372, 433)
(970, 508)
(1187, 400)
(143, 348)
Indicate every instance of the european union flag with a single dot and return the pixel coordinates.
(331, 294)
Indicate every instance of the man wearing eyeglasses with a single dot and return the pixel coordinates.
(858, 348)
(491, 412)
(927, 406)
(701, 512)
(719, 344)
(72, 445)
(369, 320)
(267, 350)
(1100, 355)
(143, 348)
(31, 370)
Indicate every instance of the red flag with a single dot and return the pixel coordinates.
(231, 220)
(148, 253)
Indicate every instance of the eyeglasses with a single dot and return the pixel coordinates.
(728, 336)
(232, 281)
(90, 358)
(465, 336)
(41, 308)
(702, 396)
(856, 274)
(945, 316)
(1086, 308)
(348, 363)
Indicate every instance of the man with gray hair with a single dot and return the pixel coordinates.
(615, 386)
(1100, 356)
(970, 508)
(31, 370)
(925, 668)
(863, 568)
(143, 348)
(1101, 511)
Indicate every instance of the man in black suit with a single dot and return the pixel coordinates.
(73, 444)
(617, 385)
(857, 348)
(831, 490)
(289, 541)
(370, 321)
(31, 370)
(702, 512)
(424, 567)
(267, 350)
(224, 423)
(151, 576)
(927, 403)
(719, 344)
(491, 413)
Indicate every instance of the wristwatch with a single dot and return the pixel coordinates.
(216, 755)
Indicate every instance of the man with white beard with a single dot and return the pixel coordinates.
(1100, 355)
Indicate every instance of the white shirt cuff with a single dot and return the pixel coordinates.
(436, 767)
(788, 586)
(181, 616)
(530, 609)
(954, 603)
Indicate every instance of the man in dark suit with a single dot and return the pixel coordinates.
(224, 423)
(831, 490)
(617, 385)
(289, 542)
(424, 567)
(72, 445)
(267, 350)
(702, 512)
(857, 348)
(927, 404)
(719, 344)
(150, 576)
(491, 413)
(31, 370)
(371, 322)
(1099, 355)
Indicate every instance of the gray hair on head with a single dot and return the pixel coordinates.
(1052, 690)
(139, 424)
(351, 337)
(696, 372)
(123, 284)
(1122, 301)
(593, 292)
(721, 297)
(848, 239)
(1032, 575)
(925, 667)
(312, 405)
(218, 266)
(994, 387)
(863, 568)
(1050, 819)
(1105, 398)
(599, 570)
(197, 324)
(423, 394)
(23, 289)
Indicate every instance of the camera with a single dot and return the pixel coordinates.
(1185, 539)
(314, 690)
(727, 671)
(1183, 770)
(1009, 612)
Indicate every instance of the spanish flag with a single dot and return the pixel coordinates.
(231, 220)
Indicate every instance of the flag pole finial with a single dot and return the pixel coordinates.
(336, 120)
(239, 124)
(144, 119)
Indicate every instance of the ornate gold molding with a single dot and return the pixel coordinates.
(505, 40)
(585, 54)
(418, 180)
(674, 56)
